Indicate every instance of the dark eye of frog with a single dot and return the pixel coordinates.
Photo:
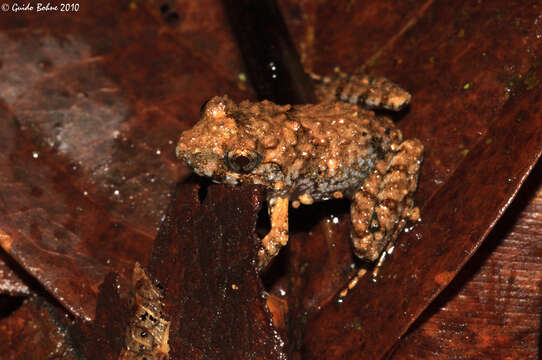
(242, 161)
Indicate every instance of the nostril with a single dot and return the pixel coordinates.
(164, 8)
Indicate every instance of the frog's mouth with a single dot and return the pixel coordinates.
(203, 164)
(266, 174)
(229, 178)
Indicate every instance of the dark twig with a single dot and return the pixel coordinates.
(270, 57)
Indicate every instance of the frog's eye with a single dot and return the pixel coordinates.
(242, 161)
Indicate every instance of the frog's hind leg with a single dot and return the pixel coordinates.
(278, 235)
(381, 207)
(364, 90)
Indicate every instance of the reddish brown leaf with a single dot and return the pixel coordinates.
(49, 224)
(88, 137)
(106, 336)
(11, 282)
(480, 144)
(33, 331)
(205, 258)
(347, 34)
(103, 338)
(492, 308)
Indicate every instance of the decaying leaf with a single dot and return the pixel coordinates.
(205, 258)
(147, 334)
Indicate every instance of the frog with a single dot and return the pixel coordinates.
(340, 147)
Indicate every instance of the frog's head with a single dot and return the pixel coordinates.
(235, 143)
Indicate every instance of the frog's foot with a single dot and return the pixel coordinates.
(278, 235)
(364, 90)
(380, 209)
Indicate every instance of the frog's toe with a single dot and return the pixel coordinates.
(365, 247)
(269, 249)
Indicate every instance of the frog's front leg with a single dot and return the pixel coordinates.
(278, 235)
(384, 203)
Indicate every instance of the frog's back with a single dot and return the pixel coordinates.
(338, 147)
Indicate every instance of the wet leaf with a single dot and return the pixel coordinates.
(104, 337)
(492, 308)
(34, 331)
(205, 259)
(468, 95)
(88, 128)
(11, 282)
